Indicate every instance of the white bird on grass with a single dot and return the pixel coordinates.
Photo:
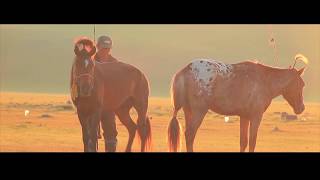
(26, 113)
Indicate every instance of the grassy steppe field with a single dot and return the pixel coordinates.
(59, 130)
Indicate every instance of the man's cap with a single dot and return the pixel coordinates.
(104, 42)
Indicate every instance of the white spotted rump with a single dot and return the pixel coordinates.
(205, 72)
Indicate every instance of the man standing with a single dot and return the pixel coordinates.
(104, 46)
(108, 119)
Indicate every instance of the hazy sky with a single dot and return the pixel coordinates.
(37, 58)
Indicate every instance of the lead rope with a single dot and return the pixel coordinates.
(272, 43)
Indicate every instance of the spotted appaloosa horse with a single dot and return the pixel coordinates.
(245, 89)
(111, 87)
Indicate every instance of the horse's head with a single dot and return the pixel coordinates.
(293, 91)
(84, 49)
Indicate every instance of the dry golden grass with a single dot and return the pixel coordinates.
(62, 133)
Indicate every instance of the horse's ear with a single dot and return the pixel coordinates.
(93, 51)
(77, 48)
(300, 72)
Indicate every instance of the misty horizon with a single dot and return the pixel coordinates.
(38, 58)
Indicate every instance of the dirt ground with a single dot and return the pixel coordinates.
(52, 126)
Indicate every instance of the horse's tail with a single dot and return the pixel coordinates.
(144, 133)
(178, 100)
(144, 125)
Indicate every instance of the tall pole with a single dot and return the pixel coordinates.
(94, 33)
(272, 42)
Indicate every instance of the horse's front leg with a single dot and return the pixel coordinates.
(84, 126)
(93, 126)
(254, 126)
(244, 124)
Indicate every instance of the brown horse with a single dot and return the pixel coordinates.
(245, 89)
(112, 87)
(84, 93)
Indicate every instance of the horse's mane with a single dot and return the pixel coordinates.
(262, 65)
(84, 40)
(72, 72)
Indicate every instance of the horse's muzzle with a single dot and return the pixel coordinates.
(85, 91)
(300, 109)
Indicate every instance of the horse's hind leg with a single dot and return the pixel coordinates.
(144, 129)
(123, 114)
(194, 118)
